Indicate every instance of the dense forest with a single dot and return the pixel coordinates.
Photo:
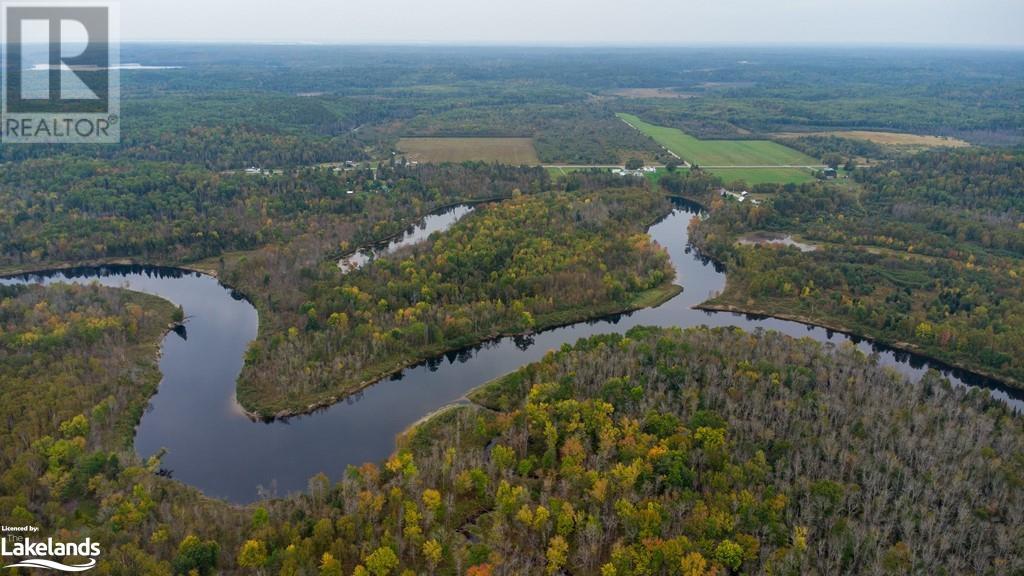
(513, 267)
(837, 150)
(734, 452)
(289, 106)
(933, 92)
(275, 238)
(77, 368)
(658, 452)
(104, 343)
(928, 255)
(280, 278)
(69, 210)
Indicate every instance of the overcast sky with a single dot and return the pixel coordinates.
(677, 22)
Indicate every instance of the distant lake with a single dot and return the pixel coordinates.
(47, 67)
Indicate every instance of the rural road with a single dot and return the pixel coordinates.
(813, 167)
(767, 166)
(578, 166)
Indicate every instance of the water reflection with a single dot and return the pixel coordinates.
(415, 234)
(211, 444)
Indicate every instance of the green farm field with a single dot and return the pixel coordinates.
(738, 153)
(754, 176)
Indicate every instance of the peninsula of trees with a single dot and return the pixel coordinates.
(511, 267)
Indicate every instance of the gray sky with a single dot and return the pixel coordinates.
(971, 22)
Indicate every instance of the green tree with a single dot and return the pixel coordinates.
(260, 518)
(329, 566)
(382, 561)
(729, 554)
(432, 552)
(77, 426)
(253, 555)
(558, 553)
(196, 554)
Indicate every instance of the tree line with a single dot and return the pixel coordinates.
(929, 254)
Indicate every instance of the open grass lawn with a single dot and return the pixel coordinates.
(754, 176)
(513, 151)
(721, 152)
(556, 171)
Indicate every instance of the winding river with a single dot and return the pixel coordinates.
(212, 445)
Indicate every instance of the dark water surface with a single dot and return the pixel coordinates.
(443, 220)
(212, 445)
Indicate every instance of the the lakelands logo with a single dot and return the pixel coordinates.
(61, 72)
(21, 548)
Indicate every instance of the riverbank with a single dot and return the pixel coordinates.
(647, 299)
(531, 263)
(412, 222)
(863, 334)
(734, 298)
(777, 375)
(210, 266)
(211, 445)
(47, 267)
(375, 374)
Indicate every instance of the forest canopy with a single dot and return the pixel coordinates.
(511, 267)
(658, 451)
(928, 255)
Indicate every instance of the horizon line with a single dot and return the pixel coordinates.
(581, 45)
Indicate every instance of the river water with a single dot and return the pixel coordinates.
(212, 445)
(414, 235)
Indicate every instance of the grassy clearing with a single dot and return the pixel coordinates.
(643, 93)
(753, 176)
(721, 152)
(655, 296)
(556, 171)
(515, 151)
(654, 177)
